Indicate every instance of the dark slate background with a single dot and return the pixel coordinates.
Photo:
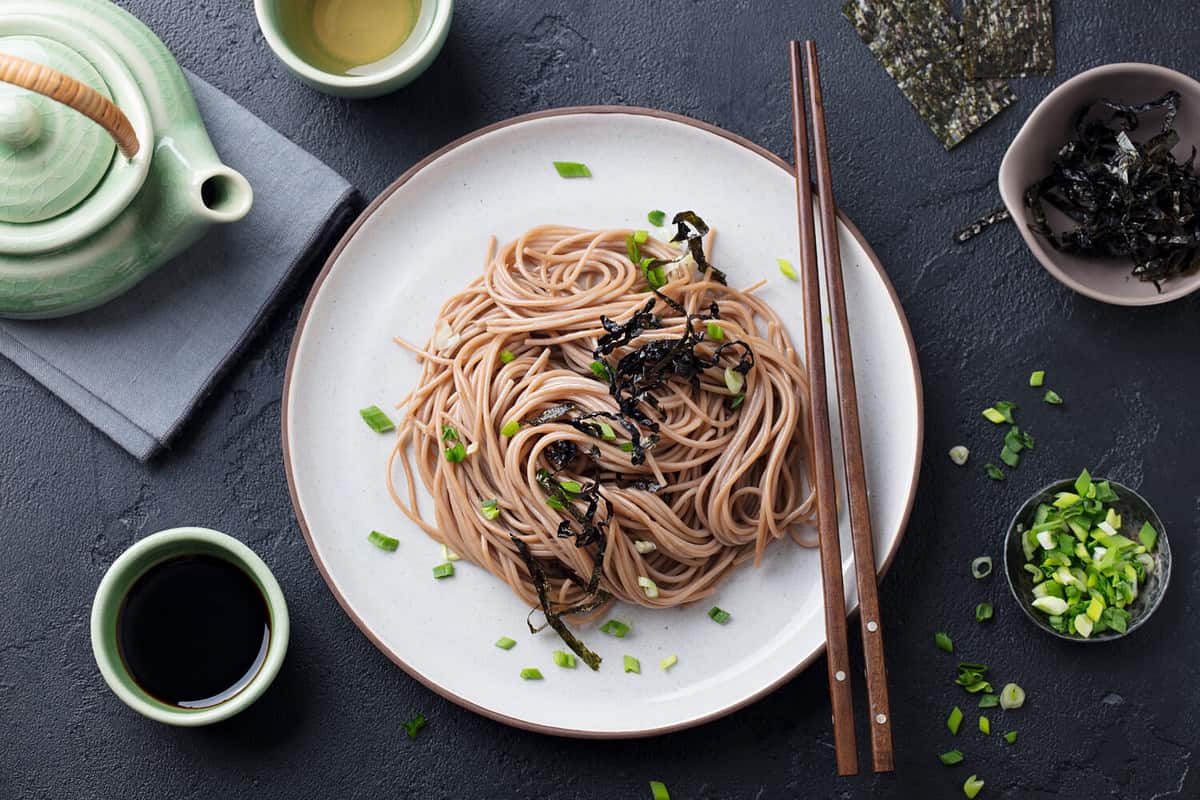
(1120, 720)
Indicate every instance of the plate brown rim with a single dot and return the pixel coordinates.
(320, 280)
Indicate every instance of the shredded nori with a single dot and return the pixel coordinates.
(919, 44)
(980, 225)
(1126, 198)
(1008, 38)
(541, 585)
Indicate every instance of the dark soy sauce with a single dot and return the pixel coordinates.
(194, 631)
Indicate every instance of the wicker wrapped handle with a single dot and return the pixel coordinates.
(70, 92)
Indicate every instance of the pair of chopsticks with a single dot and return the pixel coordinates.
(852, 454)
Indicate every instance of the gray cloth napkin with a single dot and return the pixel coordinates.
(137, 367)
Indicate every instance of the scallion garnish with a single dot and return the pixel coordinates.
(1010, 737)
(641, 236)
(959, 454)
(564, 659)
(1011, 696)
(951, 757)
(981, 567)
(787, 269)
(456, 453)
(507, 356)
(600, 369)
(633, 665)
(718, 615)
(668, 662)
(556, 503)
(943, 642)
(505, 643)
(983, 612)
(989, 700)
(449, 554)
(656, 218)
(658, 788)
(531, 674)
(571, 487)
(1148, 536)
(376, 419)
(993, 472)
(643, 546)
(606, 432)
(615, 628)
(510, 428)
(714, 331)
(1052, 397)
(736, 402)
(625, 447)
(383, 541)
(1037, 377)
(954, 720)
(443, 571)
(972, 787)
(648, 586)
(985, 725)
(490, 509)
(412, 726)
(734, 381)
(572, 169)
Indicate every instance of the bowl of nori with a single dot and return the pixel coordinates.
(1134, 509)
(1078, 224)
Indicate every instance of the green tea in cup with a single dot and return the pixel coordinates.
(347, 37)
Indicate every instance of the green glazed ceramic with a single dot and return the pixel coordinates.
(131, 565)
(79, 222)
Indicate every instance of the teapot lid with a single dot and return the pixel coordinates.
(51, 156)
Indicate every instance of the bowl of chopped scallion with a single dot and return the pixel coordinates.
(1087, 559)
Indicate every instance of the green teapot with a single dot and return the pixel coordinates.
(106, 170)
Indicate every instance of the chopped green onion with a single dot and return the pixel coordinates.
(736, 402)
(714, 331)
(643, 546)
(656, 218)
(1052, 397)
(572, 169)
(981, 567)
(449, 554)
(1037, 377)
(456, 453)
(656, 278)
(507, 356)
(615, 628)
(606, 432)
(950, 758)
(564, 659)
(972, 787)
(1083, 484)
(959, 454)
(490, 509)
(531, 674)
(1011, 696)
(641, 236)
(1053, 606)
(556, 503)
(383, 541)
(954, 720)
(983, 612)
(449, 434)
(668, 662)
(989, 700)
(985, 725)
(943, 642)
(571, 487)
(1010, 457)
(787, 269)
(443, 571)
(510, 428)
(625, 447)
(377, 420)
(718, 615)
(734, 381)
(1148, 536)
(1010, 737)
(1083, 625)
(633, 665)
(658, 788)
(600, 369)
(412, 726)
(992, 415)
(993, 472)
(505, 643)
(648, 586)
(1005, 408)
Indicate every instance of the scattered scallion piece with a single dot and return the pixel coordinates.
(787, 269)
(1011, 697)
(951, 757)
(992, 415)
(643, 546)
(564, 659)
(943, 642)
(983, 612)
(571, 487)
(648, 586)
(656, 218)
(600, 369)
(972, 787)
(572, 169)
(734, 381)
(505, 643)
(615, 628)
(507, 356)
(1052, 397)
(412, 726)
(718, 615)
(658, 788)
(377, 420)
(443, 571)
(383, 541)
(456, 453)
(625, 447)
(959, 454)
(989, 700)
(510, 428)
(993, 472)
(607, 433)
(554, 502)
(1148, 536)
(954, 720)
(633, 665)
(1037, 377)
(736, 402)
(490, 509)
(449, 554)
(714, 331)
(981, 567)
(985, 725)
(531, 674)
(1010, 457)
(668, 662)
(1010, 737)
(641, 236)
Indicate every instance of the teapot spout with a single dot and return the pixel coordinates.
(221, 194)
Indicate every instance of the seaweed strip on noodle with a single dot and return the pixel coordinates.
(1008, 38)
(918, 43)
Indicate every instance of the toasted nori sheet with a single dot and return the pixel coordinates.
(918, 43)
(1008, 38)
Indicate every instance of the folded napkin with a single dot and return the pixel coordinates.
(137, 366)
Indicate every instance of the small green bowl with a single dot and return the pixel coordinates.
(1134, 509)
(130, 566)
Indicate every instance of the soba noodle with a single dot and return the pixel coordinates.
(732, 479)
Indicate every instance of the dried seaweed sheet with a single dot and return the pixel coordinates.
(918, 43)
(1008, 38)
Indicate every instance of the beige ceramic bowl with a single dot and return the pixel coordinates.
(1049, 127)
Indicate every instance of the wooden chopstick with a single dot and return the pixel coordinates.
(880, 723)
(837, 650)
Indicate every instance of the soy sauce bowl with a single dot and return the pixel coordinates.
(1134, 510)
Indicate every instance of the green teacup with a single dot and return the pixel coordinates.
(166, 550)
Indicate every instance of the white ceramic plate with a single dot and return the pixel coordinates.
(422, 240)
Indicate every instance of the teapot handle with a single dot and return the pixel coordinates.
(66, 90)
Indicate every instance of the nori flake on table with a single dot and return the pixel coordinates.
(1008, 38)
(980, 225)
(918, 43)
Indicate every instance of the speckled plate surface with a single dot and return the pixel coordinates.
(423, 239)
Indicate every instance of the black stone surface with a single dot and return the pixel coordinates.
(1117, 721)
